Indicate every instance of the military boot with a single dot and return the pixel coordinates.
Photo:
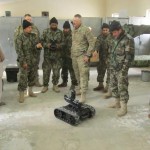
(63, 84)
(106, 88)
(123, 110)
(83, 97)
(108, 94)
(99, 87)
(56, 89)
(37, 83)
(77, 89)
(21, 96)
(31, 94)
(45, 89)
(115, 104)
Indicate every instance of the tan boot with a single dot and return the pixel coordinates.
(31, 94)
(115, 104)
(83, 97)
(56, 89)
(106, 88)
(99, 87)
(21, 97)
(108, 94)
(123, 110)
(45, 89)
(77, 89)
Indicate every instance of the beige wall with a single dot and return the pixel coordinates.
(58, 8)
(127, 7)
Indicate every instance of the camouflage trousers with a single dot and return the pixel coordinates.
(108, 75)
(48, 66)
(81, 70)
(37, 65)
(101, 70)
(26, 77)
(119, 84)
(67, 66)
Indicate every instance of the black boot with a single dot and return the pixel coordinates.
(63, 84)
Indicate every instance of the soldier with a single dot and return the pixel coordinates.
(52, 39)
(26, 47)
(35, 30)
(121, 56)
(2, 57)
(101, 46)
(66, 58)
(82, 46)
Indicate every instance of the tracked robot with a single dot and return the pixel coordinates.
(74, 112)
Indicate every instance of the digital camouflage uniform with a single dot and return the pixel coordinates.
(52, 57)
(101, 46)
(82, 44)
(27, 54)
(121, 56)
(66, 60)
(18, 31)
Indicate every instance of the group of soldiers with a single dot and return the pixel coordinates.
(71, 51)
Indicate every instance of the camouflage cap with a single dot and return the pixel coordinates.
(115, 25)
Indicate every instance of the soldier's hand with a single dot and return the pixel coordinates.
(39, 45)
(25, 66)
(49, 45)
(95, 54)
(85, 58)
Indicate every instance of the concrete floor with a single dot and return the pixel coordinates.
(32, 125)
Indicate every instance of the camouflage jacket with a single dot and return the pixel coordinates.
(67, 43)
(122, 52)
(82, 41)
(26, 48)
(55, 38)
(101, 46)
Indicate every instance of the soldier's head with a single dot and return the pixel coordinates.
(28, 17)
(27, 26)
(115, 29)
(77, 20)
(53, 24)
(66, 27)
(105, 29)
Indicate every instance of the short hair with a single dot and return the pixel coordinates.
(27, 15)
(78, 16)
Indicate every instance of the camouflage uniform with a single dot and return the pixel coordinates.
(18, 31)
(67, 61)
(121, 56)
(52, 57)
(101, 46)
(82, 44)
(27, 54)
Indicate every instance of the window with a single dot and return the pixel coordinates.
(148, 13)
(115, 15)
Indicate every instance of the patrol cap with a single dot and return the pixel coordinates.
(105, 25)
(53, 20)
(115, 25)
(26, 24)
(66, 25)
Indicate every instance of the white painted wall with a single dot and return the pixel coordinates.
(127, 7)
(65, 9)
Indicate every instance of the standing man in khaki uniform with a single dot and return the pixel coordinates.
(2, 57)
(82, 46)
